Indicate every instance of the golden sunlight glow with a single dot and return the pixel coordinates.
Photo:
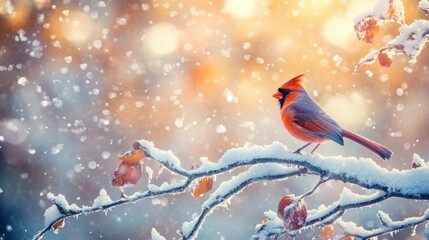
(357, 7)
(40, 4)
(162, 38)
(338, 31)
(244, 8)
(348, 110)
(16, 14)
(77, 27)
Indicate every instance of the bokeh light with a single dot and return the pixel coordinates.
(162, 39)
(242, 9)
(76, 26)
(81, 80)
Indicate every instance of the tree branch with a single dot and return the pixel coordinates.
(270, 162)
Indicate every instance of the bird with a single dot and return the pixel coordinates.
(306, 121)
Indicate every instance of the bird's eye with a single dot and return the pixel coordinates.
(284, 91)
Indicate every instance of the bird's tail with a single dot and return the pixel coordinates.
(375, 147)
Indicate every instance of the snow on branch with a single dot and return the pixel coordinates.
(388, 225)
(268, 163)
(229, 188)
(322, 215)
(411, 40)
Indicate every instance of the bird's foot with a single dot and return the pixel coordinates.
(298, 152)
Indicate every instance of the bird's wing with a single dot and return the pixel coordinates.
(320, 124)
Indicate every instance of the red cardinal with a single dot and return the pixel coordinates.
(305, 120)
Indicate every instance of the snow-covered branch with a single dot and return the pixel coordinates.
(388, 225)
(236, 184)
(411, 40)
(322, 215)
(271, 162)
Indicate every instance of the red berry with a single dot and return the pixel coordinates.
(293, 212)
(415, 165)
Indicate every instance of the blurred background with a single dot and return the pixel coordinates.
(81, 80)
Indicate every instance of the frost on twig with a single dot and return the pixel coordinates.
(411, 39)
(267, 163)
(322, 215)
(387, 225)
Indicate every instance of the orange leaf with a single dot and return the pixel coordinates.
(126, 174)
(327, 232)
(384, 59)
(265, 220)
(205, 185)
(133, 156)
(366, 29)
(59, 224)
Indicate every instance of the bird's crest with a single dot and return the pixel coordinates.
(294, 83)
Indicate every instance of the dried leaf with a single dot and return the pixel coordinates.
(366, 29)
(396, 11)
(204, 185)
(384, 59)
(415, 165)
(327, 232)
(127, 174)
(58, 224)
(133, 156)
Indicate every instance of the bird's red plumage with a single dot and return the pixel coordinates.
(306, 121)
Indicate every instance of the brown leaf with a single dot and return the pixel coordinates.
(396, 11)
(126, 174)
(384, 59)
(133, 156)
(204, 185)
(366, 29)
(327, 232)
(59, 224)
(415, 165)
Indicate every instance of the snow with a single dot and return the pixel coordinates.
(51, 214)
(384, 218)
(265, 171)
(274, 225)
(410, 41)
(412, 45)
(381, 11)
(229, 188)
(102, 199)
(348, 197)
(244, 155)
(365, 170)
(388, 225)
(165, 186)
(165, 157)
(426, 231)
(188, 226)
(418, 160)
(351, 227)
(61, 201)
(424, 6)
(155, 235)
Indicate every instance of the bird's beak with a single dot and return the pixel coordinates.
(278, 95)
